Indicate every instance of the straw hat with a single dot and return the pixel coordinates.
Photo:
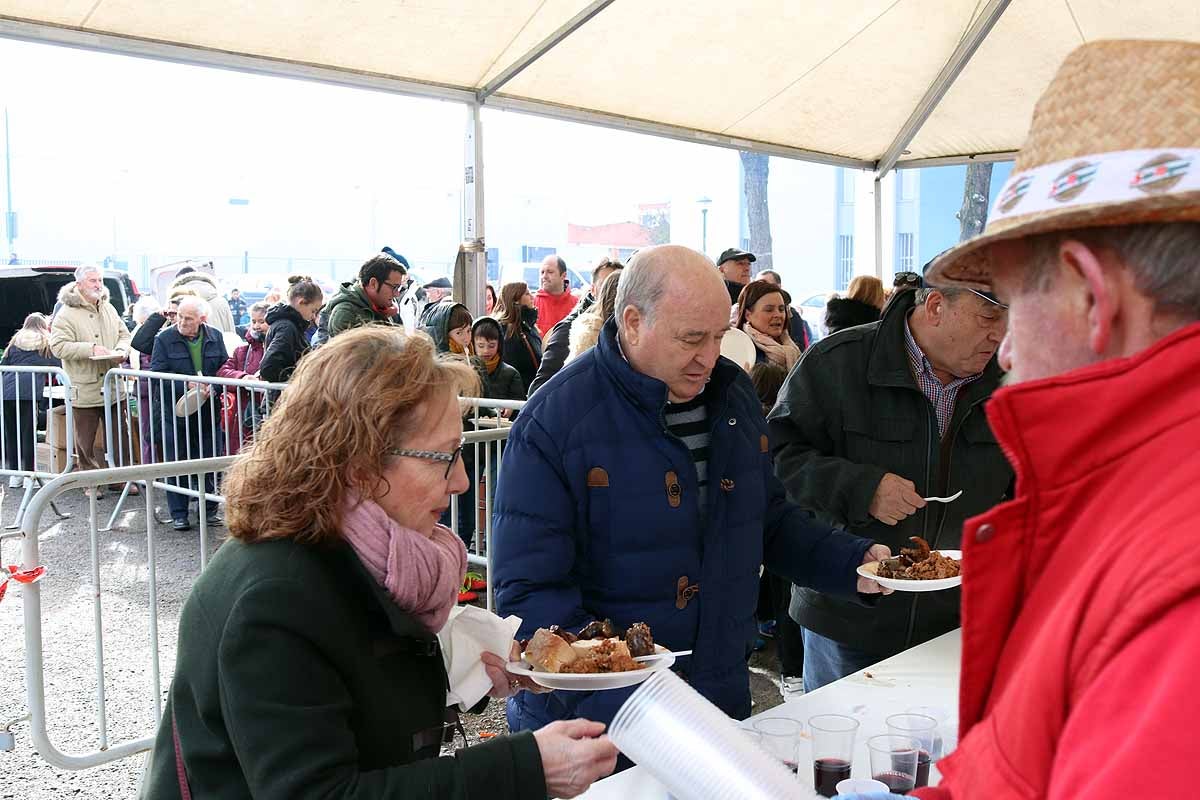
(1115, 140)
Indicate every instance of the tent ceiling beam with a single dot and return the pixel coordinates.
(42, 33)
(543, 47)
(941, 84)
(618, 122)
(950, 161)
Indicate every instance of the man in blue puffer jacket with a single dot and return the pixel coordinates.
(637, 486)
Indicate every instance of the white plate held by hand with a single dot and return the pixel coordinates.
(594, 681)
(903, 585)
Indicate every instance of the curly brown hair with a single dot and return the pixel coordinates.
(347, 403)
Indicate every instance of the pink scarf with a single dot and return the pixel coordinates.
(422, 574)
(784, 353)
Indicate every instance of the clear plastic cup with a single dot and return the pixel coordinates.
(780, 737)
(894, 761)
(946, 737)
(924, 730)
(694, 749)
(832, 750)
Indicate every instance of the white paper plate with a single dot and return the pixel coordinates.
(189, 402)
(118, 356)
(738, 347)
(868, 571)
(596, 681)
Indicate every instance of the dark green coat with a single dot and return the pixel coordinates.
(851, 411)
(347, 309)
(297, 677)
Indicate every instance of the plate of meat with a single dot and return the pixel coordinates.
(917, 569)
(599, 657)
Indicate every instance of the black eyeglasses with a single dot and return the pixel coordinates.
(450, 459)
(395, 287)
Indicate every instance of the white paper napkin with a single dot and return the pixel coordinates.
(468, 634)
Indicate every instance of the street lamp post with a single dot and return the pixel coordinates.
(704, 203)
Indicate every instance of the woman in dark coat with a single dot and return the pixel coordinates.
(861, 305)
(24, 405)
(518, 318)
(286, 340)
(308, 661)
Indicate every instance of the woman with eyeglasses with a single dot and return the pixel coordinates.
(308, 665)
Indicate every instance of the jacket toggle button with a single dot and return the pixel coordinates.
(732, 421)
(984, 533)
(685, 591)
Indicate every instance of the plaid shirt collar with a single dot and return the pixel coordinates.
(943, 397)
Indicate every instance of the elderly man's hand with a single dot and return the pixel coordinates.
(895, 499)
(574, 755)
(100, 350)
(876, 552)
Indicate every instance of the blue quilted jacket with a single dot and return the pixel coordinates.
(597, 516)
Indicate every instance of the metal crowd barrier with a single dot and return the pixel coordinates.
(486, 431)
(35, 683)
(29, 410)
(180, 418)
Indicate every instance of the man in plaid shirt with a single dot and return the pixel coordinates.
(871, 421)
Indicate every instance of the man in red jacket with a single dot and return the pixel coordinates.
(554, 298)
(1081, 597)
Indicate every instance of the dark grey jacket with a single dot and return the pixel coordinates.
(852, 411)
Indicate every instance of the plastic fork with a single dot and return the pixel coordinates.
(663, 655)
(949, 499)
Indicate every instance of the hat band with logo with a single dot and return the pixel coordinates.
(1101, 178)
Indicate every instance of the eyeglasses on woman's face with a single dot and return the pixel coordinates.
(449, 458)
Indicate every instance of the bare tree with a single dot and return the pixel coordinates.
(972, 215)
(755, 167)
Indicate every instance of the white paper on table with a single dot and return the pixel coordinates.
(468, 634)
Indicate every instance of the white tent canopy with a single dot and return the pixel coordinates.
(830, 82)
(868, 84)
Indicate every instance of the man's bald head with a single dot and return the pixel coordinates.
(655, 273)
(672, 311)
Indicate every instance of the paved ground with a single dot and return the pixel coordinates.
(69, 645)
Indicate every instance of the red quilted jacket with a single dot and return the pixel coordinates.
(1081, 597)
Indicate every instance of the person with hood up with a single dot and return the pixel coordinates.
(286, 342)
(586, 330)
(24, 406)
(244, 363)
(862, 304)
(762, 315)
(499, 380)
(522, 342)
(87, 325)
(369, 300)
(449, 325)
(204, 286)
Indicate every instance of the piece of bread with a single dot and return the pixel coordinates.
(548, 652)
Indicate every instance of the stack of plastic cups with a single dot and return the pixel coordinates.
(696, 751)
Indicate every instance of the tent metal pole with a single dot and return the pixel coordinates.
(667, 131)
(948, 161)
(879, 228)
(42, 33)
(473, 246)
(941, 84)
(543, 47)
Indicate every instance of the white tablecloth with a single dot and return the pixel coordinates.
(926, 675)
